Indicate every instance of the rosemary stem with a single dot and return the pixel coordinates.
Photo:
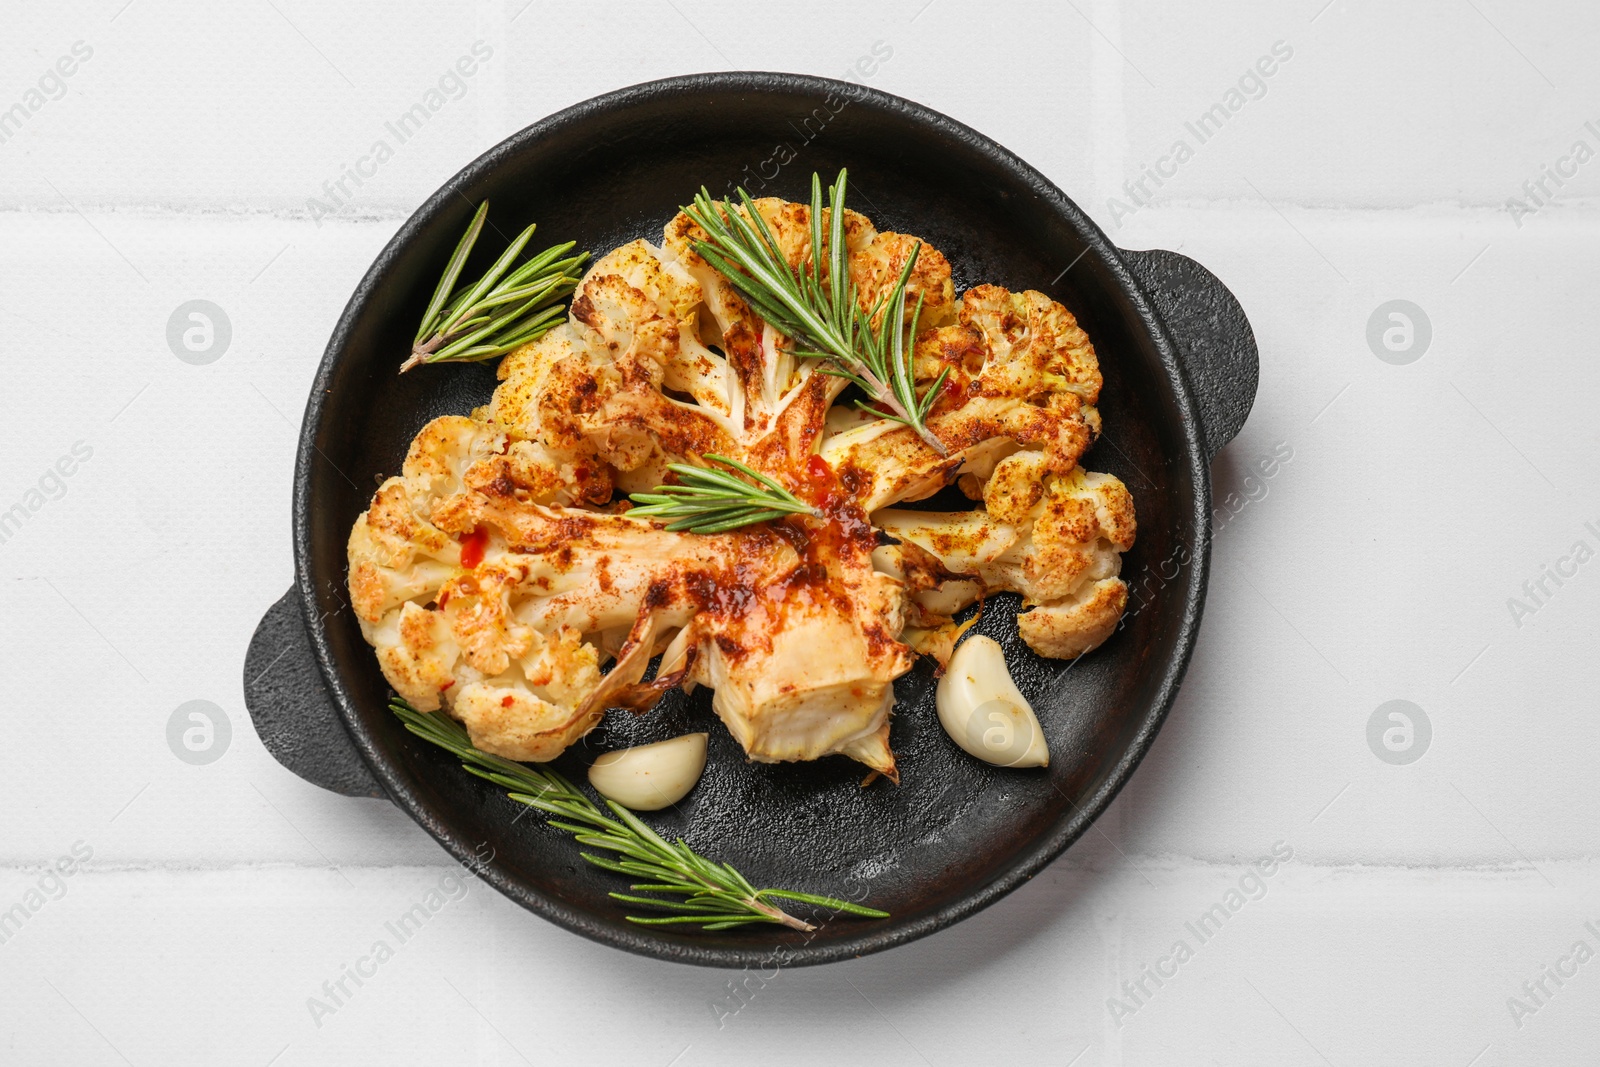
(714, 896)
(503, 309)
(821, 321)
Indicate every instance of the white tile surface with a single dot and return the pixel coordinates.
(1376, 564)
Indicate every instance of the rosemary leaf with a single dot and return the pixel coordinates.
(708, 500)
(821, 322)
(502, 310)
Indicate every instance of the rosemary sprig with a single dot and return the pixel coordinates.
(713, 501)
(502, 310)
(817, 306)
(714, 895)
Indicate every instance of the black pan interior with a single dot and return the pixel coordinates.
(957, 833)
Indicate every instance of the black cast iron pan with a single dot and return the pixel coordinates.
(1180, 370)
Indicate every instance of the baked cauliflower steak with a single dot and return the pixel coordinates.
(502, 580)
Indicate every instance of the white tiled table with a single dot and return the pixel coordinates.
(1375, 163)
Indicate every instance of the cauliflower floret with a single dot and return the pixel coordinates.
(1021, 375)
(417, 653)
(396, 552)
(638, 317)
(1036, 341)
(541, 710)
(548, 387)
(433, 590)
(875, 267)
(1062, 553)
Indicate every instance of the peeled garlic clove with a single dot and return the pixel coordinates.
(651, 777)
(982, 710)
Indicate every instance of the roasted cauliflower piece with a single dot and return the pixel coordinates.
(436, 601)
(1062, 552)
(550, 386)
(501, 579)
(1022, 375)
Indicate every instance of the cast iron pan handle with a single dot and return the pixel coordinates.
(289, 703)
(1215, 342)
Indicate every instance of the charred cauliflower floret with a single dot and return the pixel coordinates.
(1021, 375)
(1057, 541)
(436, 600)
(549, 387)
(502, 580)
